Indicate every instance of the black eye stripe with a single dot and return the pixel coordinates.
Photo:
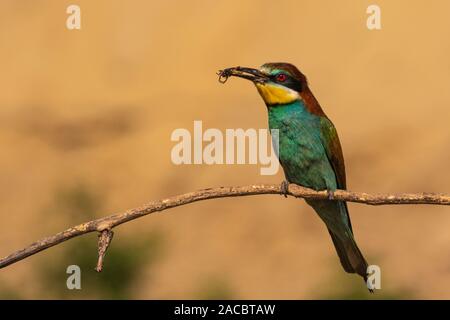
(290, 82)
(288, 77)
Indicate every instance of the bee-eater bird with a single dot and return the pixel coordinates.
(308, 149)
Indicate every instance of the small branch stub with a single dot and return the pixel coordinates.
(106, 224)
(104, 239)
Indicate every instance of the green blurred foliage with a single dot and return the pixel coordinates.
(124, 262)
(214, 288)
(77, 202)
(7, 293)
(345, 286)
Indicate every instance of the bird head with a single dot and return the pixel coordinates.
(277, 83)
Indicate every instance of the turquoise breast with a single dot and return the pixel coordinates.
(301, 152)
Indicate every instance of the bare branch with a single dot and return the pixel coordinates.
(105, 224)
(104, 239)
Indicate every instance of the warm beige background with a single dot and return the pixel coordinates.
(95, 108)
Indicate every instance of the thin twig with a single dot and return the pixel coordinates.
(104, 239)
(109, 222)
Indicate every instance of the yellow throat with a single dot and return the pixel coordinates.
(276, 94)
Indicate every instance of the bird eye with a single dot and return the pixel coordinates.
(281, 77)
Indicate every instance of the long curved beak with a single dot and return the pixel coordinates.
(242, 72)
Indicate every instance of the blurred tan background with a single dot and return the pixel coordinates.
(85, 124)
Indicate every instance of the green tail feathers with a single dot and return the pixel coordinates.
(351, 257)
(336, 217)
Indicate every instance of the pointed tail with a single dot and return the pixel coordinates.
(336, 218)
(351, 257)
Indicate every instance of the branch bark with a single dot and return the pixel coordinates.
(106, 224)
(104, 240)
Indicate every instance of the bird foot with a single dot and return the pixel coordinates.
(330, 194)
(284, 187)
